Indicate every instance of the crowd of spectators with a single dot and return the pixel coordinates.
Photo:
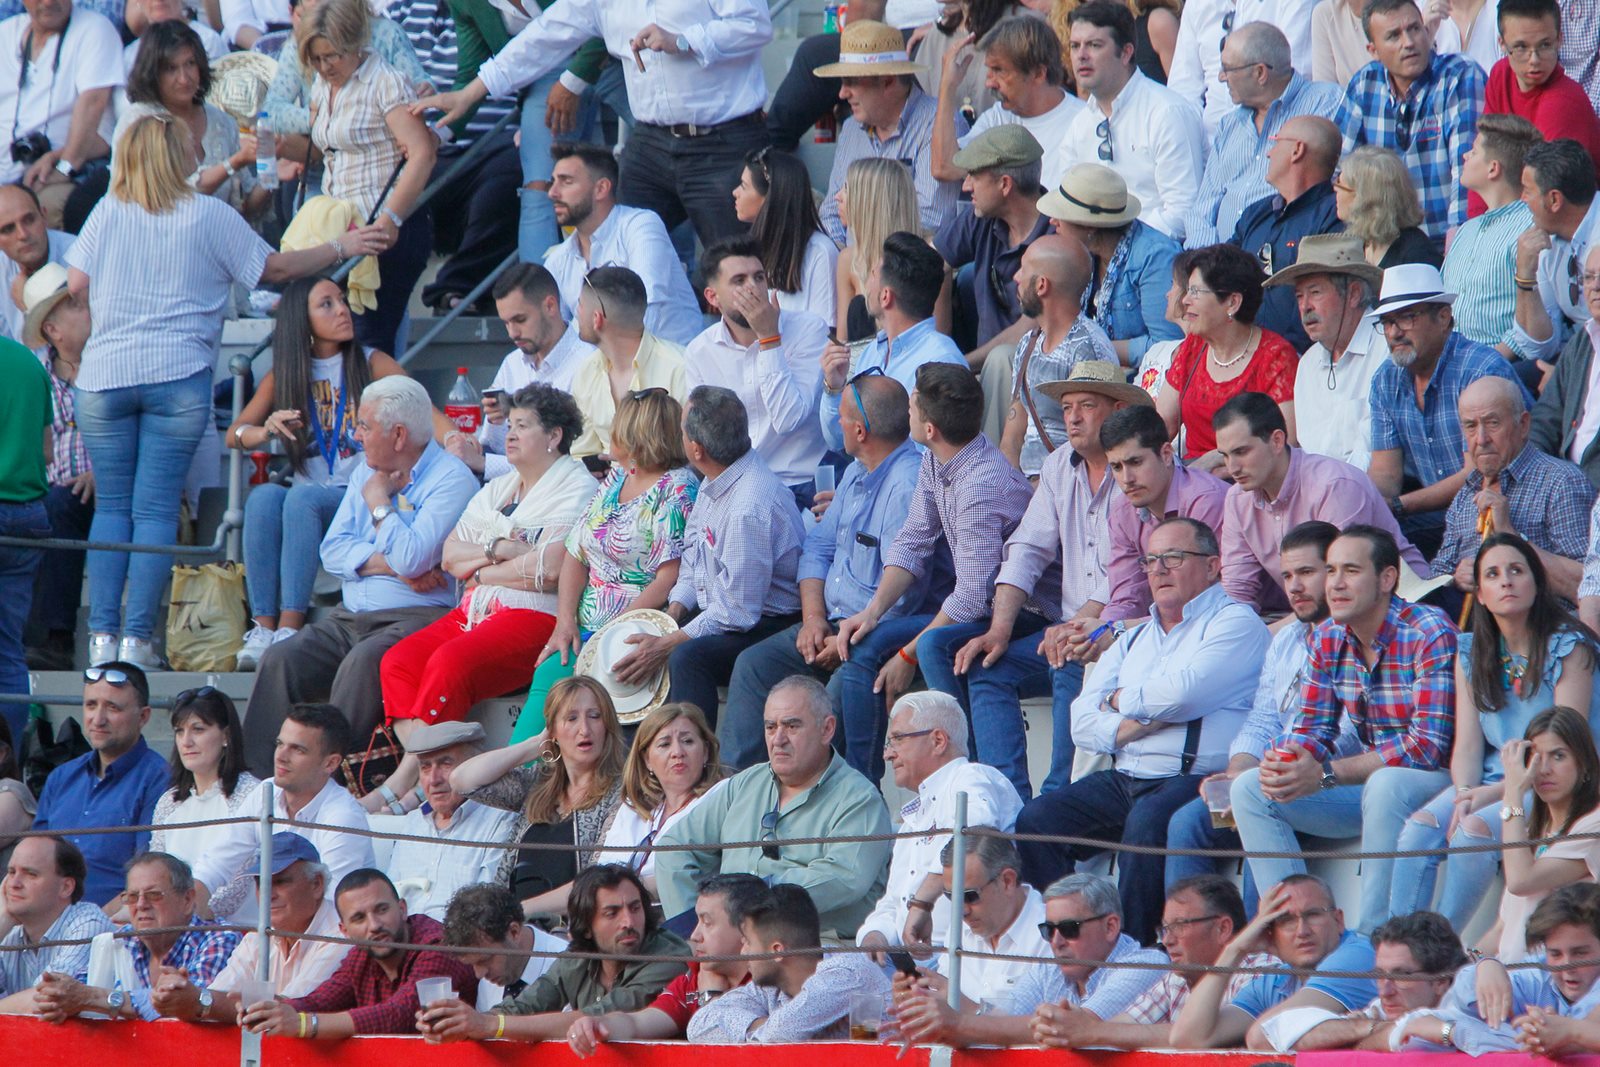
(1220, 376)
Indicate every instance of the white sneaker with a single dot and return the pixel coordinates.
(283, 633)
(141, 654)
(102, 649)
(255, 643)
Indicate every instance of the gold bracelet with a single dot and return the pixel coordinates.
(500, 1027)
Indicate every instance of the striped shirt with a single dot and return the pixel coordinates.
(1162, 1002)
(1431, 129)
(433, 35)
(741, 550)
(1549, 501)
(1559, 275)
(1580, 29)
(360, 152)
(21, 966)
(1479, 265)
(1236, 170)
(1064, 534)
(975, 501)
(68, 456)
(1108, 992)
(153, 326)
(1032, 366)
(291, 88)
(910, 142)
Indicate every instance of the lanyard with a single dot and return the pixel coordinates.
(22, 76)
(329, 445)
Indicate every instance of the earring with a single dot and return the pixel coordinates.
(552, 448)
(550, 752)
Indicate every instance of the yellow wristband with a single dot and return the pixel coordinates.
(302, 1024)
(500, 1027)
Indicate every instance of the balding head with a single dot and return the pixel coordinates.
(1494, 423)
(24, 238)
(884, 405)
(1493, 392)
(1062, 264)
(1263, 43)
(1322, 141)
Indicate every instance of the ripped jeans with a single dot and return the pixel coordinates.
(1471, 873)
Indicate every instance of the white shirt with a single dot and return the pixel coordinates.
(634, 238)
(237, 14)
(87, 57)
(1589, 421)
(490, 995)
(991, 801)
(780, 387)
(986, 979)
(1197, 56)
(717, 80)
(819, 276)
(429, 874)
(909, 14)
(1483, 38)
(11, 316)
(1205, 668)
(341, 853)
(518, 370)
(1158, 145)
(1337, 421)
(296, 967)
(629, 829)
(1049, 129)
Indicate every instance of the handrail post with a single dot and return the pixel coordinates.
(414, 349)
(249, 1043)
(958, 890)
(233, 517)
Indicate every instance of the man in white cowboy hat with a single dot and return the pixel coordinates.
(1333, 287)
(428, 873)
(1093, 204)
(57, 325)
(1417, 445)
(1065, 525)
(890, 118)
(1144, 131)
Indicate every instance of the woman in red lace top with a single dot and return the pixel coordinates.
(1225, 353)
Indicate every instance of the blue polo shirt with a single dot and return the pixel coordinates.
(1271, 230)
(76, 797)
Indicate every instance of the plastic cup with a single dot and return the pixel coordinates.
(826, 475)
(432, 990)
(253, 991)
(866, 1016)
(1000, 1004)
(1215, 792)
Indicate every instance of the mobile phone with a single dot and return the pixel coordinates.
(904, 963)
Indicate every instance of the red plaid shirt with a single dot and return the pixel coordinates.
(379, 1004)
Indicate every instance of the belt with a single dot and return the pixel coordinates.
(689, 129)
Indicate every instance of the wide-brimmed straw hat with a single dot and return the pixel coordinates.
(1096, 376)
(869, 49)
(610, 645)
(1329, 253)
(1091, 195)
(43, 290)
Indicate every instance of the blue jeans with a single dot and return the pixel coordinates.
(991, 696)
(141, 440)
(1190, 827)
(1376, 810)
(17, 567)
(60, 585)
(283, 528)
(1470, 872)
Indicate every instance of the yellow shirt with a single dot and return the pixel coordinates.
(658, 364)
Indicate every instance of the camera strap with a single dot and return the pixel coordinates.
(22, 75)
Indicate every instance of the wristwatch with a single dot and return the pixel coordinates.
(64, 169)
(206, 1000)
(116, 999)
(1329, 779)
(1508, 813)
(381, 512)
(1447, 1033)
(683, 44)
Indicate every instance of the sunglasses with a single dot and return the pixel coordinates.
(639, 394)
(109, 675)
(1069, 929)
(191, 695)
(1575, 277)
(1103, 131)
(1227, 28)
(970, 897)
(856, 392)
(1402, 126)
(769, 832)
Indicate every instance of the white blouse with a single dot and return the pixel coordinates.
(236, 900)
(629, 830)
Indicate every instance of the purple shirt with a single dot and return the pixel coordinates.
(1316, 487)
(1192, 494)
(1064, 528)
(975, 500)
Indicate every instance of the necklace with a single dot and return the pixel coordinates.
(1512, 667)
(1244, 350)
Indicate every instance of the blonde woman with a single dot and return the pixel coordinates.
(876, 199)
(1375, 198)
(156, 262)
(567, 782)
(362, 123)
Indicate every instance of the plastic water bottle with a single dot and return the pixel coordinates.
(462, 406)
(266, 153)
(830, 18)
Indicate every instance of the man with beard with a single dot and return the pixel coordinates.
(608, 912)
(1416, 431)
(374, 991)
(604, 233)
(767, 357)
(1050, 280)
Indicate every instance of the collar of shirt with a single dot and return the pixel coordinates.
(1279, 110)
(1511, 474)
(1420, 86)
(1021, 938)
(1286, 491)
(140, 951)
(831, 771)
(369, 67)
(119, 766)
(1592, 327)
(927, 797)
(1306, 201)
(872, 479)
(568, 346)
(1440, 370)
(1126, 96)
(911, 337)
(1205, 603)
(325, 923)
(915, 99)
(950, 470)
(1582, 235)
(280, 804)
(429, 456)
(1386, 632)
(723, 483)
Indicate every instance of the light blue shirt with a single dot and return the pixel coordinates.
(1556, 270)
(1206, 667)
(411, 540)
(1108, 992)
(1236, 170)
(1278, 696)
(1354, 953)
(869, 506)
(1479, 266)
(1530, 987)
(899, 359)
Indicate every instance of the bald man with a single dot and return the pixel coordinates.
(1300, 166)
(1050, 281)
(1543, 499)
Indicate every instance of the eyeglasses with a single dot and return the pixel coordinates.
(1591, 279)
(894, 741)
(1339, 182)
(769, 831)
(1524, 52)
(1166, 930)
(970, 897)
(1225, 71)
(639, 394)
(109, 675)
(855, 391)
(1103, 131)
(1402, 125)
(1167, 561)
(1069, 929)
(1265, 256)
(1402, 320)
(1294, 919)
(1198, 290)
(597, 298)
(760, 160)
(149, 896)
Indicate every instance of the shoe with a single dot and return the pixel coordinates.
(54, 654)
(283, 633)
(102, 649)
(141, 654)
(255, 643)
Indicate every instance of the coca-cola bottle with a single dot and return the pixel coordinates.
(463, 406)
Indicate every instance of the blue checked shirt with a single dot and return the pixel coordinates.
(1236, 170)
(1479, 266)
(741, 550)
(21, 968)
(1549, 501)
(1430, 438)
(202, 953)
(1443, 107)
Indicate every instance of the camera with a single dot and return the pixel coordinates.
(27, 150)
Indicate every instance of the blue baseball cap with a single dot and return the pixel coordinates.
(287, 848)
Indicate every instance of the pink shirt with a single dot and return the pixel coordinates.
(1316, 487)
(1192, 494)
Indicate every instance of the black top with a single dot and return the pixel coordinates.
(1412, 246)
(1145, 56)
(858, 325)
(541, 870)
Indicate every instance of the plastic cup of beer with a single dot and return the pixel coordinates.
(866, 1016)
(253, 991)
(432, 990)
(1215, 792)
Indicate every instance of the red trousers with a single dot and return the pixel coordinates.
(438, 673)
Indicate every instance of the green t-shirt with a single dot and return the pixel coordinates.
(25, 410)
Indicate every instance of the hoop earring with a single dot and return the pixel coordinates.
(550, 752)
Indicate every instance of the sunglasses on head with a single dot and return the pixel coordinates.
(639, 394)
(1069, 929)
(190, 695)
(855, 391)
(109, 675)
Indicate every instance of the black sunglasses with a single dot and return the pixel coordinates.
(109, 675)
(1402, 126)
(1574, 279)
(188, 696)
(1103, 131)
(1069, 929)
(639, 394)
(769, 832)
(1227, 28)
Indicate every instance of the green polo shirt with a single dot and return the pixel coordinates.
(25, 412)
